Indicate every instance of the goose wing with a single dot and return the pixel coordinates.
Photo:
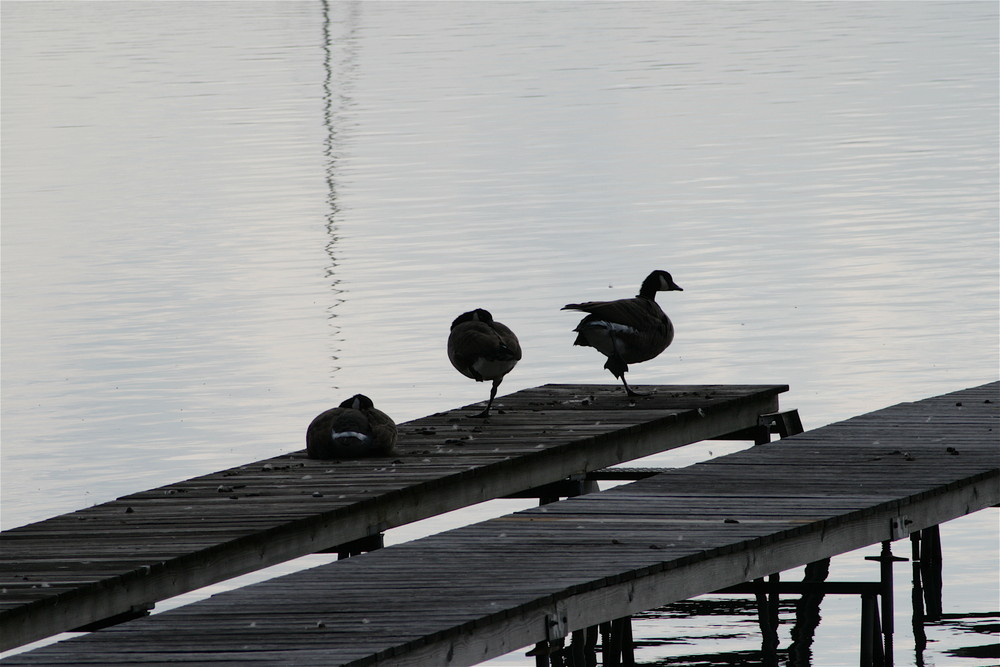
(383, 432)
(510, 346)
(637, 313)
(628, 330)
(472, 342)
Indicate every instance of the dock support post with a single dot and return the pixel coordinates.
(628, 648)
(925, 550)
(591, 646)
(917, 599)
(930, 571)
(581, 652)
(557, 656)
(616, 643)
(578, 650)
(885, 561)
(610, 652)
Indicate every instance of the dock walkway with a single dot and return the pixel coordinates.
(117, 558)
(469, 594)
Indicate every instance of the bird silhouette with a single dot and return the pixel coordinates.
(355, 429)
(627, 331)
(482, 349)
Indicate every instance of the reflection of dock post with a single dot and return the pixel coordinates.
(767, 617)
(807, 614)
(871, 643)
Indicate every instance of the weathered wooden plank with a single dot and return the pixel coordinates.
(476, 592)
(193, 533)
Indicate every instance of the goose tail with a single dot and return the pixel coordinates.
(617, 367)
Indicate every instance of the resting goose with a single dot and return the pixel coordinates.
(354, 429)
(482, 349)
(627, 331)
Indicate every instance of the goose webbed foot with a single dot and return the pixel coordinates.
(630, 391)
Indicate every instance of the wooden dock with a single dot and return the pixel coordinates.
(117, 558)
(466, 595)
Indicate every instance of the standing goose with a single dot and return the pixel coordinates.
(482, 349)
(353, 430)
(627, 331)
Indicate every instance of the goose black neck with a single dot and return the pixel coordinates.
(648, 288)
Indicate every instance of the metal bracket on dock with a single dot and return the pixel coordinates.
(899, 527)
(783, 423)
(556, 625)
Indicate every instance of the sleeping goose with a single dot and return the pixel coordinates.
(482, 349)
(355, 429)
(627, 331)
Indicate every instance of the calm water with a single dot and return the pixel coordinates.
(221, 218)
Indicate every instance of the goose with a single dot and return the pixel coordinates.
(628, 331)
(354, 429)
(482, 349)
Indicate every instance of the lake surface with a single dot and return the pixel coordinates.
(219, 219)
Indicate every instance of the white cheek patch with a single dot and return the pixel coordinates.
(349, 434)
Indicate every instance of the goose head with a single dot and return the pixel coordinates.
(658, 281)
(477, 315)
(358, 402)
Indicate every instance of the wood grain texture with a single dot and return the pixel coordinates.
(476, 592)
(85, 566)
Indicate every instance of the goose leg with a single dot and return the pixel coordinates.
(489, 404)
(618, 368)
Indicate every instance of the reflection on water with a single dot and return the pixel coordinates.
(220, 219)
